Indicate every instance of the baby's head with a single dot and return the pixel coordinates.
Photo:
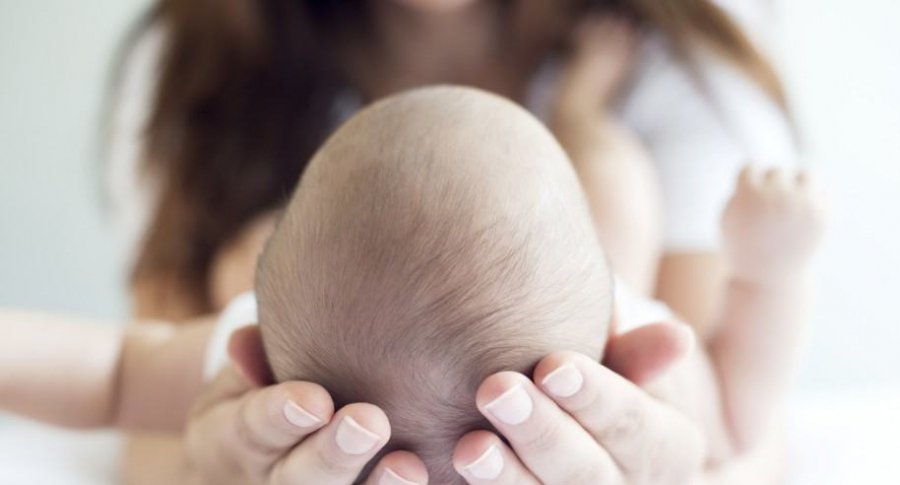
(438, 237)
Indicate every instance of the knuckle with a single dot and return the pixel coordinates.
(545, 438)
(332, 465)
(249, 438)
(312, 462)
(628, 424)
(590, 474)
(679, 459)
(280, 475)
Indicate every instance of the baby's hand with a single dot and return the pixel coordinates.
(772, 224)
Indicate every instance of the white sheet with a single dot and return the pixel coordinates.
(33, 454)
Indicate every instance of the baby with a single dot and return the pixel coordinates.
(442, 235)
(437, 238)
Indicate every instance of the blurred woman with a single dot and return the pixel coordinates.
(222, 103)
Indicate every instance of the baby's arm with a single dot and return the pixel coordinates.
(87, 375)
(771, 227)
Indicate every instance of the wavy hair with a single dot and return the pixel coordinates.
(246, 94)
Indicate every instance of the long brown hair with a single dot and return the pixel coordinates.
(246, 95)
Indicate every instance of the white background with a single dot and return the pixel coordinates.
(842, 66)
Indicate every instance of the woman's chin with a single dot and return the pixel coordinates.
(436, 6)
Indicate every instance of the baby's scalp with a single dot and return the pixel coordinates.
(437, 237)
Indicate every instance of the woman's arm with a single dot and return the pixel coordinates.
(614, 169)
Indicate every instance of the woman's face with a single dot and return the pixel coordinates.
(436, 6)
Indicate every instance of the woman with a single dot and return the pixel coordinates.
(247, 89)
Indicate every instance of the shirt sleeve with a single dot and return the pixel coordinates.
(700, 130)
(132, 191)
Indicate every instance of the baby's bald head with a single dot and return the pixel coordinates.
(438, 237)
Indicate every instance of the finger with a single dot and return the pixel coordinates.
(481, 457)
(338, 453)
(399, 468)
(643, 354)
(750, 176)
(255, 430)
(776, 178)
(808, 182)
(548, 441)
(644, 436)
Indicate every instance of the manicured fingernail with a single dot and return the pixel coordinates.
(353, 439)
(512, 407)
(488, 466)
(298, 416)
(564, 382)
(390, 477)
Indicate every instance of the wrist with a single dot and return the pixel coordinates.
(770, 278)
(582, 136)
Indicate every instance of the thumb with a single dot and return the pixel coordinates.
(643, 354)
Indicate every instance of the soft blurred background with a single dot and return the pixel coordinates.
(841, 64)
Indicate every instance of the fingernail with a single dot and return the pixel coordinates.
(512, 407)
(353, 439)
(488, 466)
(564, 382)
(390, 477)
(298, 416)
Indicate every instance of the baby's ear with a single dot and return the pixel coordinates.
(247, 353)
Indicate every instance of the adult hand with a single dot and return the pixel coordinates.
(243, 433)
(578, 422)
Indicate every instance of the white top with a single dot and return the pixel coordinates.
(698, 139)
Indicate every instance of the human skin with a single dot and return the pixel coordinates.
(595, 459)
(243, 432)
(239, 430)
(687, 282)
(615, 171)
(594, 464)
(581, 418)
